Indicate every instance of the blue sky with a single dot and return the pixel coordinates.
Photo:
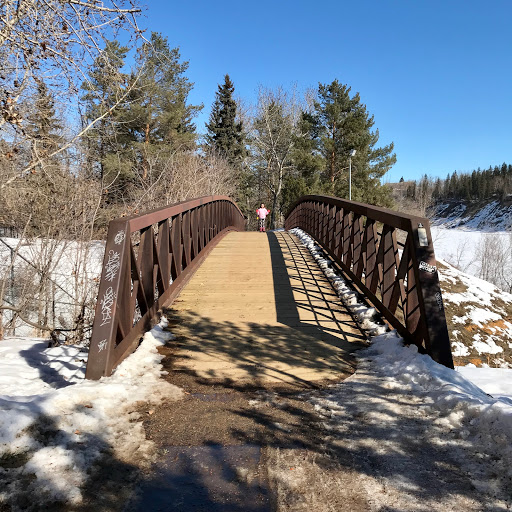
(437, 75)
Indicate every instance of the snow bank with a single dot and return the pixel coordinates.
(492, 217)
(65, 426)
(494, 381)
(366, 317)
(29, 367)
(465, 410)
(458, 245)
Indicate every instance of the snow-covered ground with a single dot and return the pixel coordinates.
(496, 382)
(480, 424)
(491, 218)
(71, 269)
(458, 245)
(478, 315)
(54, 425)
(408, 422)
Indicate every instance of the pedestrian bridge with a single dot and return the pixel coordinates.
(255, 307)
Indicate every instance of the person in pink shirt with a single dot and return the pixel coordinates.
(262, 213)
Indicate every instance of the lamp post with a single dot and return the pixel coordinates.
(351, 153)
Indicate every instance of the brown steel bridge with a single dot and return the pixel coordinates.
(281, 319)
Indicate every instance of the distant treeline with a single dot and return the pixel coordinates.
(479, 184)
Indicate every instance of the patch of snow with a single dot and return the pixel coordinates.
(365, 316)
(63, 423)
(459, 349)
(487, 346)
(477, 290)
(30, 368)
(483, 421)
(458, 246)
(403, 417)
(481, 316)
(494, 381)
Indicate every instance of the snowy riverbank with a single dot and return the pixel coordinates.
(460, 246)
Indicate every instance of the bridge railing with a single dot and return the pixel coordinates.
(148, 259)
(389, 257)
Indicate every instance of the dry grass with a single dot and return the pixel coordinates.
(467, 333)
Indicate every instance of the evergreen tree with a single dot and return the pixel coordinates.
(43, 127)
(161, 117)
(411, 191)
(225, 135)
(109, 141)
(338, 124)
(481, 185)
(454, 183)
(474, 184)
(436, 193)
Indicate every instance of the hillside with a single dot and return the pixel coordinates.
(492, 215)
(479, 317)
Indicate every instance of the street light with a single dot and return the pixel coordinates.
(351, 153)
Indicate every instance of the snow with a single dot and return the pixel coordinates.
(459, 349)
(464, 403)
(494, 381)
(364, 315)
(481, 424)
(481, 309)
(29, 367)
(414, 418)
(487, 346)
(73, 270)
(476, 290)
(458, 245)
(492, 217)
(62, 423)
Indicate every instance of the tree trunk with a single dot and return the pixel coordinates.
(333, 155)
(273, 211)
(145, 164)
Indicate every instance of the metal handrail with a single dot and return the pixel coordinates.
(140, 276)
(403, 286)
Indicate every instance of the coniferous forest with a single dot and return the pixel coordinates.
(492, 183)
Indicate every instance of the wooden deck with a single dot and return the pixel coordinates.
(260, 311)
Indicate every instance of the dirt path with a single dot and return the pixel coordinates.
(257, 326)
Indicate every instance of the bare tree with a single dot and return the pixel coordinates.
(272, 137)
(494, 253)
(179, 175)
(50, 278)
(50, 42)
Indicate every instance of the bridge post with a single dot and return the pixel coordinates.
(427, 276)
(105, 326)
